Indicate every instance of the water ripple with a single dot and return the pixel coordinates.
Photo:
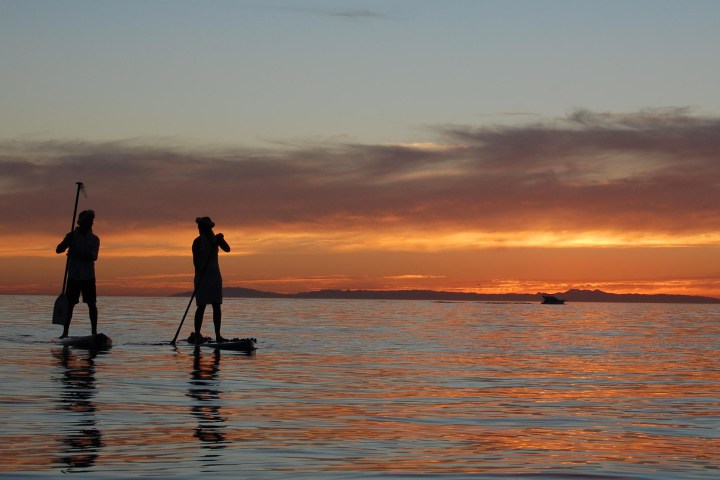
(363, 389)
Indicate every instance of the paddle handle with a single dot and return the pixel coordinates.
(72, 226)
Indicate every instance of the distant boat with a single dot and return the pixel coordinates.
(552, 300)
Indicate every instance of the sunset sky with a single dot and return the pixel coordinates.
(481, 146)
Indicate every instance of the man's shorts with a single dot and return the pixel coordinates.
(86, 287)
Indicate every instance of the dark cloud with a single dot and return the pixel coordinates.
(654, 172)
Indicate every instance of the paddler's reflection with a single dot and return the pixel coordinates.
(204, 390)
(82, 444)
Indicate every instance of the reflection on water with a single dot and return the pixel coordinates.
(82, 439)
(363, 389)
(204, 390)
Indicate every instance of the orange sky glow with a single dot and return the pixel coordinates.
(132, 264)
(623, 203)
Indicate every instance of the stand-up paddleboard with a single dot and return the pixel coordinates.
(98, 341)
(237, 344)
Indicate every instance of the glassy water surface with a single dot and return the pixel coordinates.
(365, 389)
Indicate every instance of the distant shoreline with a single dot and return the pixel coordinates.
(573, 295)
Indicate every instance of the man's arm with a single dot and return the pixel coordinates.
(93, 253)
(196, 253)
(62, 246)
(222, 243)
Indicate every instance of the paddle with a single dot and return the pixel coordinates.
(192, 297)
(60, 310)
(202, 274)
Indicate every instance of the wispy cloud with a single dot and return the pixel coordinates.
(652, 173)
(348, 13)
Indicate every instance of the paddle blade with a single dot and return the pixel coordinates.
(60, 311)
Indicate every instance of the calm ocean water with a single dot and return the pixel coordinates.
(365, 389)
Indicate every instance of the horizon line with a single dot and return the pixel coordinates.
(388, 290)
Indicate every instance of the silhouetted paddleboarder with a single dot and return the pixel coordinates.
(83, 247)
(208, 281)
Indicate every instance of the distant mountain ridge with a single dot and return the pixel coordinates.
(572, 295)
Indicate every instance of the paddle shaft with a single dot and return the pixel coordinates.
(192, 297)
(72, 227)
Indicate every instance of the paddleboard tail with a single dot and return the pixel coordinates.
(99, 341)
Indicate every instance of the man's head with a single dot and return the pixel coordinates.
(205, 224)
(86, 218)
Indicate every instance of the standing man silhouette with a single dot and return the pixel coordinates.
(83, 247)
(208, 281)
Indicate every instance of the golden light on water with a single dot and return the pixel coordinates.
(412, 388)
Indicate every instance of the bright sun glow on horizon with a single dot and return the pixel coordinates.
(159, 263)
